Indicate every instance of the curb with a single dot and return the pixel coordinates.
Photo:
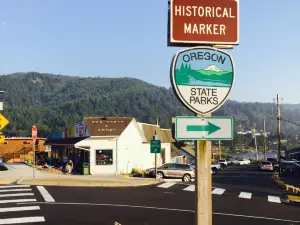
(8, 181)
(287, 187)
(74, 184)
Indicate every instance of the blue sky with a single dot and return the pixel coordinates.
(128, 38)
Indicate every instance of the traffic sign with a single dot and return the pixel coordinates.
(155, 146)
(202, 78)
(34, 133)
(204, 22)
(3, 122)
(2, 139)
(203, 128)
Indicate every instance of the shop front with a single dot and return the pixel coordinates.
(63, 150)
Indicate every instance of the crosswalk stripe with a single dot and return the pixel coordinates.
(274, 199)
(190, 188)
(21, 208)
(166, 185)
(218, 191)
(17, 200)
(15, 186)
(45, 194)
(246, 195)
(33, 219)
(14, 190)
(15, 195)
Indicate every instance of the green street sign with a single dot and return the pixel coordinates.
(204, 128)
(155, 146)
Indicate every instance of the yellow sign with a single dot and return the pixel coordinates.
(2, 139)
(70, 131)
(3, 122)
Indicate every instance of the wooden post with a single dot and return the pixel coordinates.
(203, 182)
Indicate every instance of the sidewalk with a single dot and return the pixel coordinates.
(23, 174)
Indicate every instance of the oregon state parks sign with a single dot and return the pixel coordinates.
(202, 78)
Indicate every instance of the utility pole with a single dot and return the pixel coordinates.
(278, 133)
(265, 141)
(254, 134)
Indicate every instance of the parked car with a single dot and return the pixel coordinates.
(233, 161)
(290, 168)
(214, 167)
(173, 170)
(266, 165)
(223, 162)
(243, 162)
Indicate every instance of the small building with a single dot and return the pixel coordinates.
(19, 149)
(165, 136)
(111, 145)
(293, 154)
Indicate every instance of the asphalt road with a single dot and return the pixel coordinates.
(165, 204)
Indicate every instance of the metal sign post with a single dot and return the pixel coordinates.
(155, 147)
(34, 137)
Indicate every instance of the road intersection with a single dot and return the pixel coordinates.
(235, 201)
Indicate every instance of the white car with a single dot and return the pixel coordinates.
(266, 166)
(243, 162)
(223, 162)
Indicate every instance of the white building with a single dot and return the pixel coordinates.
(112, 145)
(165, 136)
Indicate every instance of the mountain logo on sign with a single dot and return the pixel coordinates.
(202, 78)
(211, 76)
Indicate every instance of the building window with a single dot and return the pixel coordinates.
(104, 157)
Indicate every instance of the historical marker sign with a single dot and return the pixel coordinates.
(207, 128)
(204, 21)
(202, 78)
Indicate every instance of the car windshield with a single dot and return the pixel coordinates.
(222, 160)
(266, 163)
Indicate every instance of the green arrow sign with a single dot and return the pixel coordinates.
(211, 128)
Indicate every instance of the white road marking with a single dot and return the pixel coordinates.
(14, 190)
(17, 200)
(218, 191)
(190, 188)
(246, 195)
(33, 219)
(166, 185)
(166, 209)
(45, 194)
(274, 199)
(257, 217)
(21, 208)
(14, 195)
(14, 186)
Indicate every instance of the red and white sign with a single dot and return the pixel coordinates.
(81, 130)
(204, 21)
(34, 133)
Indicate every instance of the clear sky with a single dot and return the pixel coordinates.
(128, 38)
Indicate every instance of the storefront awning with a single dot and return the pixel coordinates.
(64, 141)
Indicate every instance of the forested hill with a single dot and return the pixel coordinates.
(50, 101)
